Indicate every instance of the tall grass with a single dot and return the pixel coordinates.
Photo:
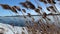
(44, 24)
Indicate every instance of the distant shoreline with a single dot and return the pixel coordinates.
(31, 15)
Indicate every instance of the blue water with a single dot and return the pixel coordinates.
(16, 21)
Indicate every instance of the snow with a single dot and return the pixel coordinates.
(8, 29)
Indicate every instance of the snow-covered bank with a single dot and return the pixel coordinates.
(8, 29)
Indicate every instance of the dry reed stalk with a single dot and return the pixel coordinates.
(45, 28)
(38, 27)
(17, 7)
(55, 9)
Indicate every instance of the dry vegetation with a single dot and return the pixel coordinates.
(39, 27)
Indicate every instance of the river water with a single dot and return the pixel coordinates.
(17, 21)
(20, 21)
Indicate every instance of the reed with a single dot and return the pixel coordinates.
(44, 24)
